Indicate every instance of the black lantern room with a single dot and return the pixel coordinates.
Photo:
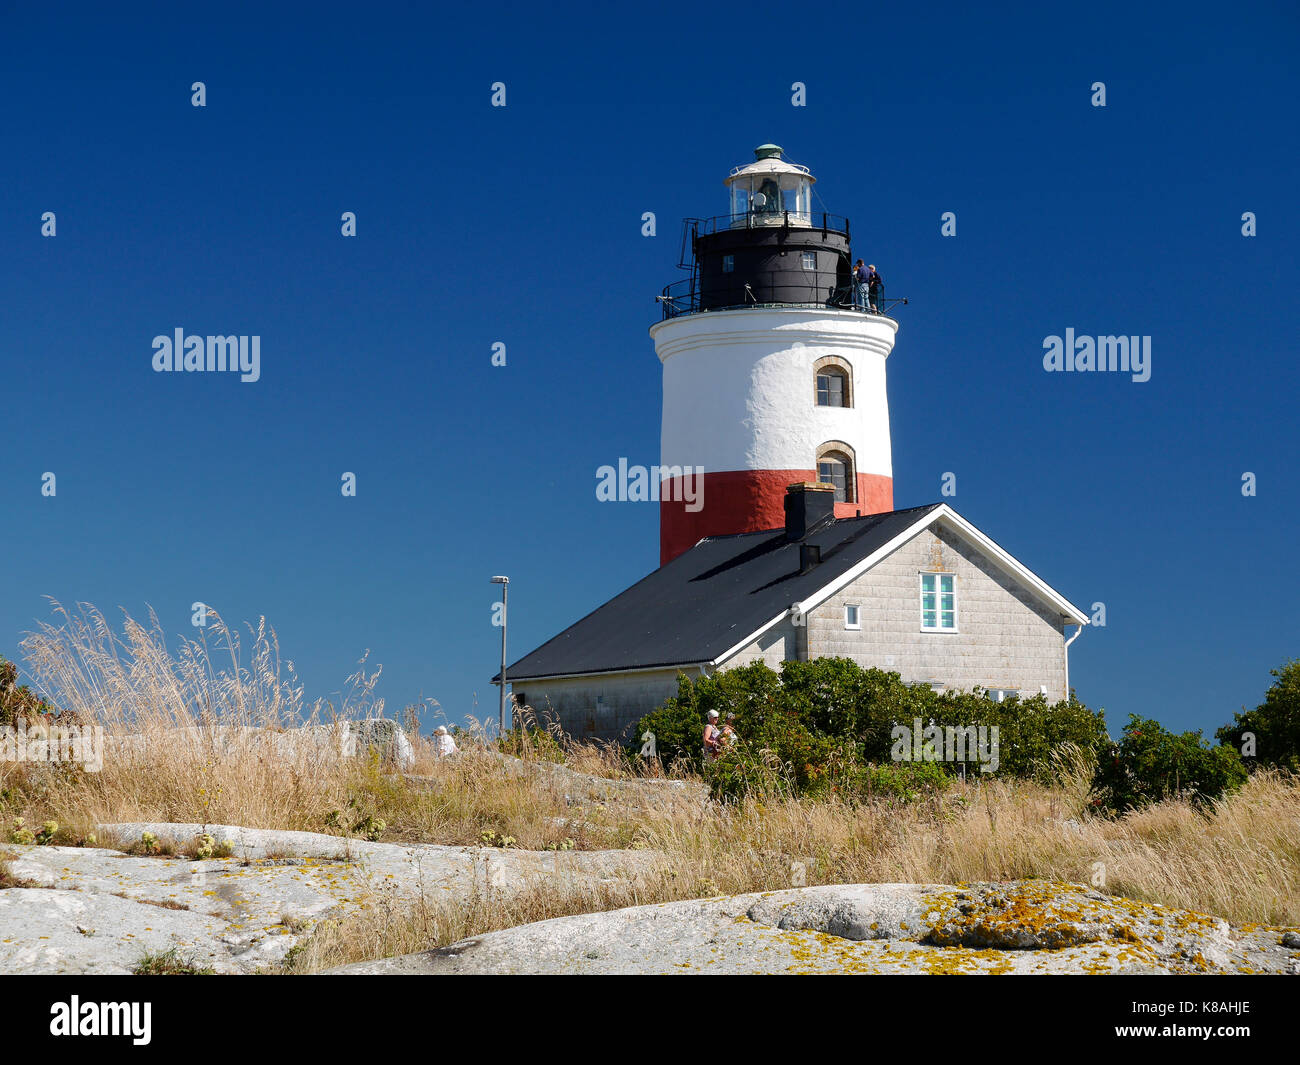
(771, 249)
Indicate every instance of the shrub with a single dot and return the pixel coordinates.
(1030, 731)
(751, 692)
(1150, 763)
(1275, 723)
(907, 781)
(814, 727)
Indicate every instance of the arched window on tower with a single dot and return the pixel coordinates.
(835, 466)
(833, 378)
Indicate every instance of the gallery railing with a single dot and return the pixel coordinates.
(683, 297)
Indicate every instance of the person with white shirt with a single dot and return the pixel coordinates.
(443, 744)
(712, 736)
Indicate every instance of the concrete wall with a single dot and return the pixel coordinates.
(1006, 637)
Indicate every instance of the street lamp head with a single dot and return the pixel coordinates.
(500, 580)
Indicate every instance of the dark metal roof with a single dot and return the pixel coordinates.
(706, 600)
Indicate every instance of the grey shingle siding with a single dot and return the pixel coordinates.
(1006, 638)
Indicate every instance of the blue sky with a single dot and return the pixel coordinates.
(522, 225)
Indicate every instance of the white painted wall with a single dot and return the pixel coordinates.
(739, 391)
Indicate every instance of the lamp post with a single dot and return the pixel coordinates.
(505, 592)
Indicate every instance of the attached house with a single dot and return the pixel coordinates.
(920, 592)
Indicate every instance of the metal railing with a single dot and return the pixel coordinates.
(683, 297)
(721, 223)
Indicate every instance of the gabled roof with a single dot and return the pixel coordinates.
(726, 591)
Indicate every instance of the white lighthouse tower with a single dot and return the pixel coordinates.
(772, 372)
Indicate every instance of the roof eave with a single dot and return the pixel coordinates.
(511, 678)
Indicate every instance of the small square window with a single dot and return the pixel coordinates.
(810, 260)
(852, 618)
(728, 263)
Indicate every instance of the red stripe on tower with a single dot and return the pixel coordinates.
(747, 501)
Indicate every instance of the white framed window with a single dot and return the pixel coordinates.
(1000, 694)
(728, 263)
(852, 616)
(938, 602)
(810, 260)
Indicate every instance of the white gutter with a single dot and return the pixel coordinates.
(1067, 657)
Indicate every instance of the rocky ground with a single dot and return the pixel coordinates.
(1030, 926)
(101, 910)
(98, 910)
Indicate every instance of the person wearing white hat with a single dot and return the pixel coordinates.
(443, 743)
(712, 737)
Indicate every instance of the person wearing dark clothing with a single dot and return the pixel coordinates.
(875, 289)
(860, 286)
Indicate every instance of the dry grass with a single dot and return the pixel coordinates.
(200, 734)
(389, 928)
(7, 877)
(1241, 860)
(186, 732)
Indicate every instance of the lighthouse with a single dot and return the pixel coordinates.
(779, 541)
(773, 370)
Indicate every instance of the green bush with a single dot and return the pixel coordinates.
(1274, 724)
(751, 692)
(906, 781)
(1030, 730)
(818, 727)
(1150, 763)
